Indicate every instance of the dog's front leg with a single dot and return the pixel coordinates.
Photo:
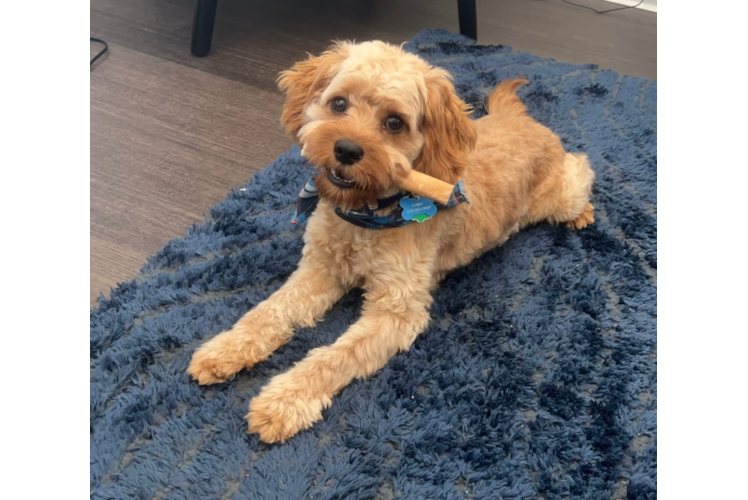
(394, 313)
(310, 291)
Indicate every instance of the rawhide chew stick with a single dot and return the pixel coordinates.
(425, 185)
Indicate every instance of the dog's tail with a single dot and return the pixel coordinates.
(504, 98)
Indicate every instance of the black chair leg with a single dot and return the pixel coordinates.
(468, 18)
(202, 27)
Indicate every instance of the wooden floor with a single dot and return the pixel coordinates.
(171, 134)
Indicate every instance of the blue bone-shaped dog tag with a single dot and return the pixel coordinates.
(417, 209)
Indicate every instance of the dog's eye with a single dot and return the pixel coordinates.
(338, 105)
(394, 124)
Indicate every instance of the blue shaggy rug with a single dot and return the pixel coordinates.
(535, 379)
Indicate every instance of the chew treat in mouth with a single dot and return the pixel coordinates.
(406, 178)
(424, 185)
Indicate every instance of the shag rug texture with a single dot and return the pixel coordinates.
(535, 379)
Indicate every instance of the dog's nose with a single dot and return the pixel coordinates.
(348, 152)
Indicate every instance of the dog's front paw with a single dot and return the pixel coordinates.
(284, 408)
(215, 361)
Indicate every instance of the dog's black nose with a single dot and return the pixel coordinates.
(348, 152)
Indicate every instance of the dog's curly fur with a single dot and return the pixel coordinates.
(514, 170)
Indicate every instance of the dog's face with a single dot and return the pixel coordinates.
(361, 112)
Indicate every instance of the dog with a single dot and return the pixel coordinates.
(362, 113)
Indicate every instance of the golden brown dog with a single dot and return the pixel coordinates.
(361, 112)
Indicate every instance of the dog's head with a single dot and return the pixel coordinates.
(361, 112)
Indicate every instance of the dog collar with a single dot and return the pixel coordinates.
(409, 208)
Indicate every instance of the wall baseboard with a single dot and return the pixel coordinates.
(649, 5)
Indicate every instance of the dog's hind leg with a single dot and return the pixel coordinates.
(567, 197)
(586, 218)
(301, 301)
(577, 211)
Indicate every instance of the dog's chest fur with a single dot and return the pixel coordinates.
(364, 254)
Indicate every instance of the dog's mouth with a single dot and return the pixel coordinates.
(337, 177)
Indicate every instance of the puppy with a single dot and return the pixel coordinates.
(363, 113)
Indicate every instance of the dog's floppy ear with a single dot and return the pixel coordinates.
(306, 80)
(449, 133)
